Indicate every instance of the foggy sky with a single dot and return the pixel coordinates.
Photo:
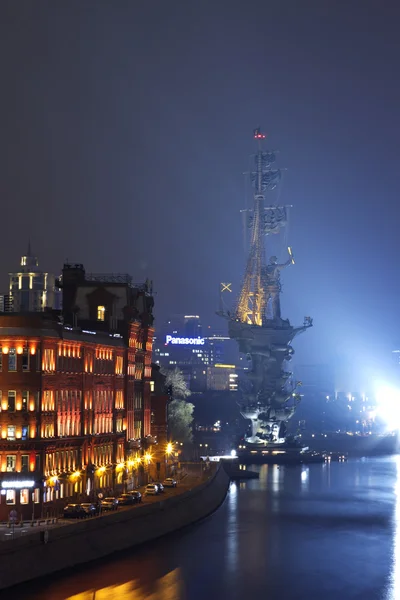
(126, 127)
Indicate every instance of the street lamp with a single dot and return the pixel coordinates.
(147, 460)
(168, 452)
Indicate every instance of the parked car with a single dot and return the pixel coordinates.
(90, 509)
(74, 511)
(151, 489)
(137, 496)
(160, 487)
(126, 499)
(169, 482)
(109, 504)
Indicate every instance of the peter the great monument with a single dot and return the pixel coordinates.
(270, 395)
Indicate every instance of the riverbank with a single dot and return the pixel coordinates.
(29, 557)
(294, 532)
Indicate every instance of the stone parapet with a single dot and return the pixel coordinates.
(96, 538)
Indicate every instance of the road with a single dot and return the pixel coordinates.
(11, 533)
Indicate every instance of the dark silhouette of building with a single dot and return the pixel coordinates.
(163, 455)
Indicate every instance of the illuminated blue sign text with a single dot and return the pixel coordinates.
(184, 341)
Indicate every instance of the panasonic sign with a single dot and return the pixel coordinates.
(184, 341)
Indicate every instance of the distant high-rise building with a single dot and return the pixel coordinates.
(221, 377)
(192, 326)
(32, 290)
(181, 343)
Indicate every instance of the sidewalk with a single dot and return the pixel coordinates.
(16, 531)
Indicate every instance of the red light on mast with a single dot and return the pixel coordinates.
(258, 135)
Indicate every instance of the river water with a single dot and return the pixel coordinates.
(320, 532)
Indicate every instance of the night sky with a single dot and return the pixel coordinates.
(126, 127)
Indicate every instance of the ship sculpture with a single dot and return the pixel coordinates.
(256, 324)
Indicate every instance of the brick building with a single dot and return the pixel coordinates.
(75, 393)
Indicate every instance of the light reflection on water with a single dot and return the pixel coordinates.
(232, 550)
(394, 579)
(305, 481)
(330, 531)
(168, 587)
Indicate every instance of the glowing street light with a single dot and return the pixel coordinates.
(169, 448)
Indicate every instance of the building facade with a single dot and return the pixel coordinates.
(75, 395)
(30, 289)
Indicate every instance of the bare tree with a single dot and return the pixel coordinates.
(180, 412)
(176, 381)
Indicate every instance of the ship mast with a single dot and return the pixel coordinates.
(251, 304)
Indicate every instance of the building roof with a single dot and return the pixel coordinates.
(39, 325)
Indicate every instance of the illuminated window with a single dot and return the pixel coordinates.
(11, 461)
(49, 362)
(12, 359)
(24, 496)
(36, 496)
(10, 432)
(119, 399)
(119, 365)
(10, 497)
(101, 313)
(25, 401)
(152, 386)
(138, 400)
(25, 360)
(138, 429)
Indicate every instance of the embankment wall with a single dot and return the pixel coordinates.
(27, 558)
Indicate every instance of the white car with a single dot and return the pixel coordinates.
(151, 489)
(109, 504)
(170, 482)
